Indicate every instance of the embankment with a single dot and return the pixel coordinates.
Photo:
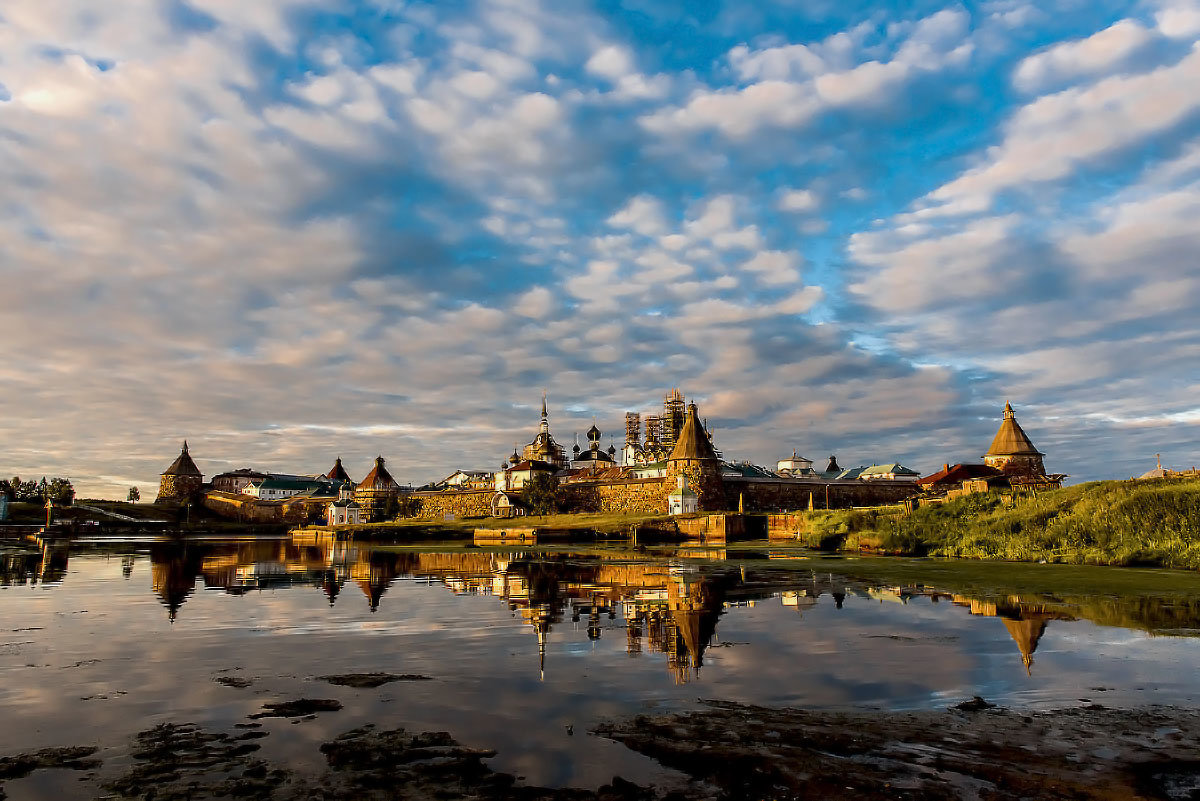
(1148, 523)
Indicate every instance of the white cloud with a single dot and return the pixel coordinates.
(643, 214)
(911, 275)
(1052, 136)
(537, 303)
(799, 200)
(1179, 20)
(774, 267)
(796, 86)
(611, 61)
(1099, 54)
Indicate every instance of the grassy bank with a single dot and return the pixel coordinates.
(436, 530)
(1153, 523)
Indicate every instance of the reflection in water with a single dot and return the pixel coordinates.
(131, 632)
(669, 606)
(46, 565)
(1026, 622)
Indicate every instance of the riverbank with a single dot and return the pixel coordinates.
(1122, 523)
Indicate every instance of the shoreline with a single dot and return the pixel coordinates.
(725, 750)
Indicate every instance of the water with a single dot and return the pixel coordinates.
(526, 651)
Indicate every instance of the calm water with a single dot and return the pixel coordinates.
(526, 650)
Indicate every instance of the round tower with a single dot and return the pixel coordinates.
(693, 458)
(1011, 451)
(182, 480)
(375, 492)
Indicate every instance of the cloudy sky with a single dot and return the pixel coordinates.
(296, 229)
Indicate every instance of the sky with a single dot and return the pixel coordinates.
(299, 229)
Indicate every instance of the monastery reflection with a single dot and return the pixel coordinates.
(668, 606)
(1025, 621)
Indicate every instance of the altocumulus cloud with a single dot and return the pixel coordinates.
(295, 230)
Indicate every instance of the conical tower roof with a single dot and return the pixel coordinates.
(693, 442)
(1011, 439)
(338, 473)
(1026, 633)
(183, 466)
(379, 478)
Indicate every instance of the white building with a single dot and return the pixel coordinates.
(796, 466)
(344, 511)
(682, 501)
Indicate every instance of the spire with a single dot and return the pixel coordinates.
(544, 404)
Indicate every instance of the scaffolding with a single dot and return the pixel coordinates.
(654, 428)
(633, 428)
(672, 419)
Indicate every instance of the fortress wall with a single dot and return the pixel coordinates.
(784, 495)
(243, 507)
(632, 496)
(459, 503)
(236, 506)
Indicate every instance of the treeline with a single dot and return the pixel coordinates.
(1103, 523)
(58, 490)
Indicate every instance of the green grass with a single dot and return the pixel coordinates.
(434, 530)
(1152, 523)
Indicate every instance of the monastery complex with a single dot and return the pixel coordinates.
(668, 464)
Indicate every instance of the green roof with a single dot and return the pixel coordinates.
(884, 469)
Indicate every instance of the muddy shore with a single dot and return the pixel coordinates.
(728, 751)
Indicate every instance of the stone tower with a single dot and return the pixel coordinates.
(694, 458)
(181, 481)
(1011, 451)
(376, 491)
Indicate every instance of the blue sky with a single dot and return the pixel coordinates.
(295, 230)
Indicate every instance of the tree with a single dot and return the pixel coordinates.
(135, 495)
(23, 490)
(541, 495)
(60, 491)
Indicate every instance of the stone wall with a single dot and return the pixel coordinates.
(722, 528)
(459, 503)
(648, 496)
(703, 476)
(373, 503)
(644, 496)
(179, 488)
(782, 495)
(245, 508)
